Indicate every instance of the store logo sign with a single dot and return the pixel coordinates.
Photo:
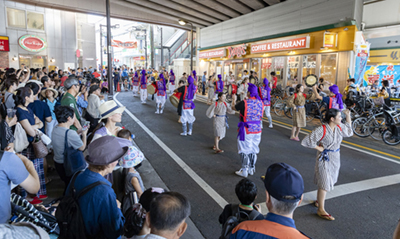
(32, 43)
(393, 55)
(4, 43)
(237, 51)
(297, 43)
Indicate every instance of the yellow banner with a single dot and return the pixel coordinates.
(385, 56)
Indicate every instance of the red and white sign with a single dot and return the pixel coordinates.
(32, 43)
(78, 53)
(297, 43)
(4, 43)
(128, 44)
(212, 54)
(237, 51)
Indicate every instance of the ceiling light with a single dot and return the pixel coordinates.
(182, 22)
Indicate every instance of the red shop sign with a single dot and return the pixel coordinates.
(297, 43)
(4, 43)
(212, 54)
(237, 51)
(32, 43)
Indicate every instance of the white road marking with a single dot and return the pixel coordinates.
(207, 188)
(346, 189)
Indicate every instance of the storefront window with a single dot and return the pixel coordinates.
(266, 67)
(219, 68)
(278, 68)
(212, 68)
(328, 67)
(32, 61)
(292, 70)
(16, 18)
(35, 20)
(309, 65)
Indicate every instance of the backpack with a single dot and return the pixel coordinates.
(235, 219)
(68, 212)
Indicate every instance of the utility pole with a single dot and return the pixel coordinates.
(152, 45)
(162, 49)
(145, 45)
(109, 80)
(101, 51)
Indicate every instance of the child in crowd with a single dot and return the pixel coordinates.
(49, 95)
(136, 225)
(246, 191)
(132, 160)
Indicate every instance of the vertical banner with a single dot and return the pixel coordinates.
(362, 55)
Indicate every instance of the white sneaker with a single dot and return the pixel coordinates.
(252, 171)
(189, 133)
(161, 111)
(242, 173)
(271, 126)
(184, 134)
(157, 112)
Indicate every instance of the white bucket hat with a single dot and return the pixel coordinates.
(110, 108)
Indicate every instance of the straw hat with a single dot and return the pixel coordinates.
(110, 108)
(43, 93)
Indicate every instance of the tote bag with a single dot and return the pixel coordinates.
(73, 159)
(21, 140)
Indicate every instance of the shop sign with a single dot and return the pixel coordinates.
(362, 54)
(390, 55)
(212, 54)
(297, 43)
(237, 51)
(4, 43)
(32, 43)
(138, 58)
(329, 39)
(120, 44)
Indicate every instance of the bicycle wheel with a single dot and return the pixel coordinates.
(376, 127)
(289, 112)
(309, 117)
(322, 116)
(360, 128)
(279, 109)
(389, 138)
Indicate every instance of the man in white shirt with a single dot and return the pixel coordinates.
(245, 74)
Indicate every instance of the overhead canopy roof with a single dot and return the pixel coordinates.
(202, 13)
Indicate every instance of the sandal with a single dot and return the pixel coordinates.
(326, 217)
(219, 151)
(316, 204)
(214, 148)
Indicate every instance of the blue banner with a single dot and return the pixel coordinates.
(361, 62)
(380, 73)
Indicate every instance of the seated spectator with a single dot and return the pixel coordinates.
(72, 86)
(19, 170)
(246, 191)
(92, 111)
(99, 207)
(49, 95)
(284, 192)
(65, 117)
(168, 212)
(136, 225)
(30, 123)
(110, 114)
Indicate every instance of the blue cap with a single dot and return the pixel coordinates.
(283, 182)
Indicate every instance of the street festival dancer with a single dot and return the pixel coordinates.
(171, 86)
(218, 111)
(219, 86)
(161, 96)
(187, 106)
(143, 87)
(135, 87)
(250, 127)
(265, 94)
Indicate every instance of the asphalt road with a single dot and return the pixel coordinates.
(360, 213)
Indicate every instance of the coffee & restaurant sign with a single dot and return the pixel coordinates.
(291, 44)
(213, 53)
(32, 43)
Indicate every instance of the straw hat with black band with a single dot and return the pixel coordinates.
(109, 108)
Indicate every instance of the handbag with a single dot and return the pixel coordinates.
(20, 139)
(39, 147)
(73, 158)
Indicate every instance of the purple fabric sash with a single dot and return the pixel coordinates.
(242, 131)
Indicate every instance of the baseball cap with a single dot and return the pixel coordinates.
(70, 82)
(283, 182)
